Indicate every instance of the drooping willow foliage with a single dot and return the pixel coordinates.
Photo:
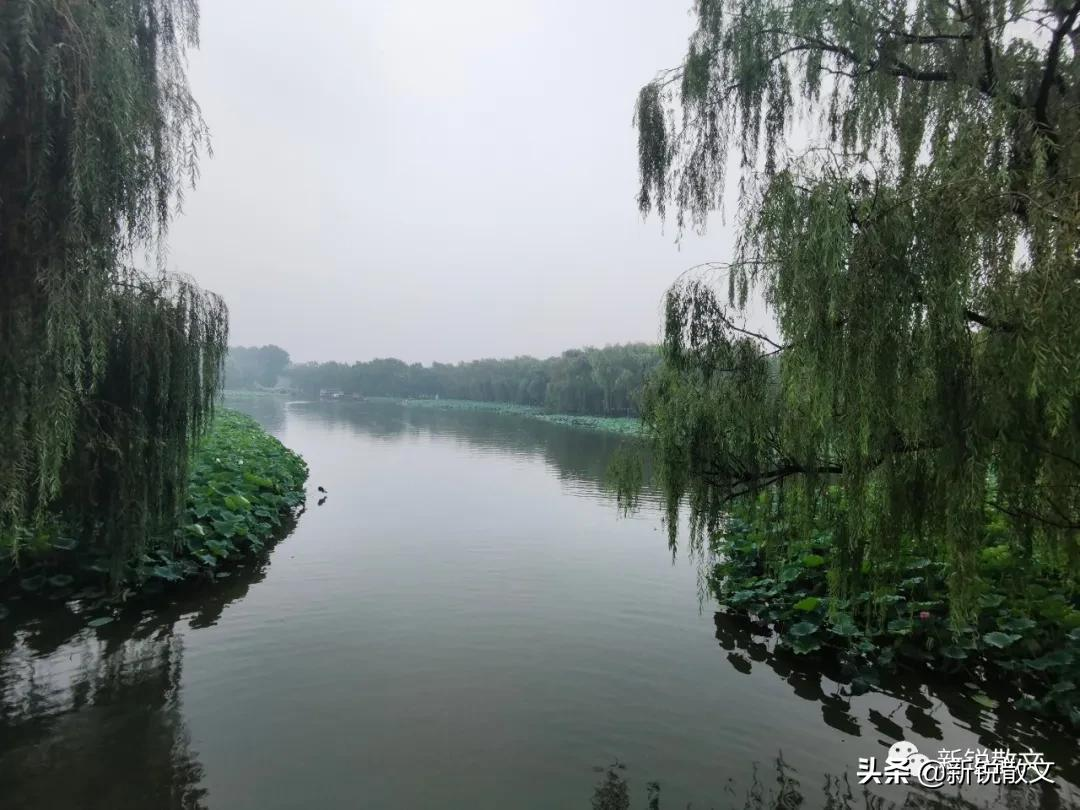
(910, 213)
(106, 374)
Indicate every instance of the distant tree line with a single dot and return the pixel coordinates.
(603, 381)
(255, 366)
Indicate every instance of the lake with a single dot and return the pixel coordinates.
(466, 621)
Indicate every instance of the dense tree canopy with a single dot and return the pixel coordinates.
(107, 373)
(910, 212)
(251, 366)
(604, 381)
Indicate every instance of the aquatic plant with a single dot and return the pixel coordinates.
(1025, 625)
(625, 425)
(243, 485)
(628, 426)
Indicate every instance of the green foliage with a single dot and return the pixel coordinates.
(254, 366)
(625, 475)
(626, 426)
(623, 425)
(1024, 629)
(242, 484)
(916, 238)
(125, 478)
(108, 375)
(597, 382)
(464, 405)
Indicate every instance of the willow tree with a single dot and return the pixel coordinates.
(909, 186)
(106, 374)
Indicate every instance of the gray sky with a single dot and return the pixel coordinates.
(431, 180)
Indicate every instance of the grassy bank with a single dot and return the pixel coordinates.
(623, 425)
(243, 484)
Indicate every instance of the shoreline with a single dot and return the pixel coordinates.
(244, 489)
(629, 426)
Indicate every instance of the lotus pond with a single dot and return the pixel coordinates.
(466, 621)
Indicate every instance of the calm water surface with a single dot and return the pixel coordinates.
(466, 622)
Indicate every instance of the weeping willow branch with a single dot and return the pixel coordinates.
(108, 374)
(919, 252)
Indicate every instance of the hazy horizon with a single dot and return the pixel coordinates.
(234, 345)
(431, 183)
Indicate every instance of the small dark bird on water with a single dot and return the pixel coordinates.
(322, 500)
(321, 489)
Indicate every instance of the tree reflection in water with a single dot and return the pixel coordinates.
(94, 717)
(919, 694)
(783, 790)
(578, 456)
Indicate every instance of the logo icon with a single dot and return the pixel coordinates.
(905, 765)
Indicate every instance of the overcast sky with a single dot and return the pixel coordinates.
(431, 180)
